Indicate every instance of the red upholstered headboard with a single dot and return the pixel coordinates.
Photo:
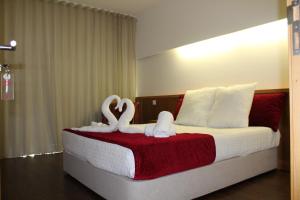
(150, 106)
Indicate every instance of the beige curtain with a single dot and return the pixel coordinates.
(68, 59)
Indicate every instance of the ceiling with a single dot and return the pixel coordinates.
(130, 7)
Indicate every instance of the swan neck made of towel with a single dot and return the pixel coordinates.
(128, 115)
(112, 120)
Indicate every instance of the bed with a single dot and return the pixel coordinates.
(254, 150)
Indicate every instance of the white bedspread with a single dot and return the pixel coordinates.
(230, 142)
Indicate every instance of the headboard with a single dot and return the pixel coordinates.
(150, 106)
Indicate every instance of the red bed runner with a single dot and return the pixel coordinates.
(156, 157)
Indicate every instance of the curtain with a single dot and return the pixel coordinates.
(68, 59)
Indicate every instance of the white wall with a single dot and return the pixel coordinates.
(256, 54)
(174, 23)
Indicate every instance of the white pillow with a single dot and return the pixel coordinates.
(232, 106)
(196, 106)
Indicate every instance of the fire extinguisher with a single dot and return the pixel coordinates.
(7, 85)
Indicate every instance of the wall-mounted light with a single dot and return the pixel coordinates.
(11, 47)
(248, 38)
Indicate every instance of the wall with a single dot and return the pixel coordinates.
(174, 23)
(255, 54)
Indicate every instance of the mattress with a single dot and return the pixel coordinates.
(230, 142)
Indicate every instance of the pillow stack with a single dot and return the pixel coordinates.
(222, 107)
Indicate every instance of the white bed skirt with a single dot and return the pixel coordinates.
(184, 185)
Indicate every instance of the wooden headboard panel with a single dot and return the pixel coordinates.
(151, 106)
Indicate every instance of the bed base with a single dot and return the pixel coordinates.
(184, 185)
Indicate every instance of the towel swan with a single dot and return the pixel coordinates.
(112, 120)
(124, 121)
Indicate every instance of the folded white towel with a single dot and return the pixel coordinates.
(163, 128)
(124, 121)
(103, 129)
(131, 129)
(97, 124)
(165, 125)
(149, 129)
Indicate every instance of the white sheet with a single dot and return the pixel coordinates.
(230, 142)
